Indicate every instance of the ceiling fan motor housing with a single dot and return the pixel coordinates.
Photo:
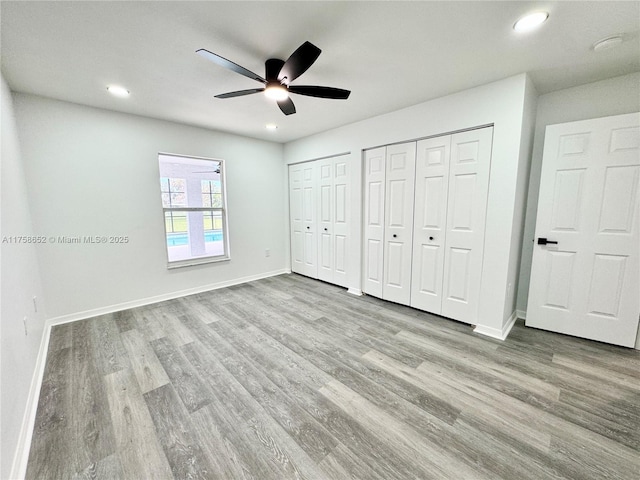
(272, 69)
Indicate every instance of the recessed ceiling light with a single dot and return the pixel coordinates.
(607, 43)
(271, 126)
(530, 22)
(118, 91)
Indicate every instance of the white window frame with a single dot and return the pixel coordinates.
(200, 260)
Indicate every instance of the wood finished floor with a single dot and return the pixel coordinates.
(288, 377)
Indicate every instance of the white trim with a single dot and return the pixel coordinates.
(160, 298)
(19, 465)
(355, 291)
(522, 314)
(500, 334)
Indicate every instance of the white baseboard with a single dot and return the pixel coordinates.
(522, 314)
(500, 334)
(355, 291)
(160, 298)
(19, 465)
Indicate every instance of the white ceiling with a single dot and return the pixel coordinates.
(389, 54)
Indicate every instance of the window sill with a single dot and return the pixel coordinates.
(196, 261)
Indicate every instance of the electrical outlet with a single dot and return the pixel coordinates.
(25, 326)
(267, 253)
(35, 304)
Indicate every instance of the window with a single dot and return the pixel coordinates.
(193, 203)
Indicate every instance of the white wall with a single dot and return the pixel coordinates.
(501, 103)
(95, 172)
(517, 233)
(20, 281)
(600, 99)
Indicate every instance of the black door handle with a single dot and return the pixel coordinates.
(308, 228)
(325, 229)
(544, 241)
(394, 235)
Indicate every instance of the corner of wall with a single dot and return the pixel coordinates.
(22, 319)
(529, 104)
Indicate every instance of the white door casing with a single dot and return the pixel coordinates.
(374, 195)
(588, 284)
(429, 227)
(469, 170)
(398, 232)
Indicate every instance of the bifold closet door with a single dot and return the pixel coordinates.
(399, 198)
(374, 174)
(303, 219)
(333, 219)
(469, 169)
(429, 225)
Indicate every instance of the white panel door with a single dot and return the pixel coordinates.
(309, 220)
(296, 221)
(341, 219)
(466, 213)
(374, 195)
(587, 284)
(399, 198)
(430, 216)
(325, 219)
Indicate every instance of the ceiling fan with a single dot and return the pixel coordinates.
(278, 76)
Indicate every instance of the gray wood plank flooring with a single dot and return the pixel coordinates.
(291, 378)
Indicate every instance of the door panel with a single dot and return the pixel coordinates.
(374, 195)
(462, 202)
(458, 274)
(325, 220)
(295, 212)
(560, 277)
(587, 285)
(618, 200)
(567, 198)
(398, 231)
(429, 227)
(309, 218)
(341, 219)
(469, 170)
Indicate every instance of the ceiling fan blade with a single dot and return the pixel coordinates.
(298, 62)
(223, 62)
(321, 92)
(287, 106)
(240, 93)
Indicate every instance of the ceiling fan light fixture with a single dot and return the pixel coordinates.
(276, 92)
(530, 21)
(118, 91)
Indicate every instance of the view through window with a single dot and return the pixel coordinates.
(194, 209)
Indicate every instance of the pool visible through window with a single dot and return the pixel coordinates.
(193, 202)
